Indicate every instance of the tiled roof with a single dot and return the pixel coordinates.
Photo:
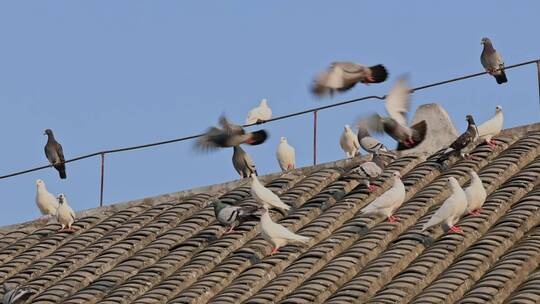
(171, 250)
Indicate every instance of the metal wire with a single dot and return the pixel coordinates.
(537, 61)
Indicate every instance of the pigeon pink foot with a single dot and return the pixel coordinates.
(455, 229)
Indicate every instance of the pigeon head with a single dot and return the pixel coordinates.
(396, 174)
(486, 40)
(61, 198)
(452, 182)
(498, 109)
(347, 128)
(263, 102)
(40, 183)
(470, 119)
(48, 132)
(283, 139)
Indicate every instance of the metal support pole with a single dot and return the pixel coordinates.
(102, 178)
(314, 138)
(538, 70)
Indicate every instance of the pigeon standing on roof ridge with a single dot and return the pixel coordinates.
(451, 210)
(46, 202)
(55, 154)
(389, 201)
(229, 135)
(285, 155)
(16, 294)
(233, 216)
(259, 114)
(265, 196)
(277, 234)
(397, 104)
(492, 127)
(242, 162)
(492, 61)
(476, 194)
(462, 142)
(64, 214)
(343, 75)
(349, 142)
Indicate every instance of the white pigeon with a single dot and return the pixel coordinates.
(278, 235)
(285, 155)
(476, 194)
(64, 214)
(265, 196)
(389, 201)
(16, 294)
(260, 113)
(491, 127)
(45, 201)
(349, 142)
(452, 208)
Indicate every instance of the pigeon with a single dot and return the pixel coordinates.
(16, 294)
(451, 210)
(278, 235)
(55, 154)
(229, 135)
(462, 142)
(232, 216)
(65, 214)
(491, 127)
(343, 75)
(397, 104)
(492, 61)
(259, 114)
(370, 170)
(265, 196)
(389, 201)
(476, 194)
(46, 202)
(242, 163)
(285, 155)
(349, 142)
(366, 141)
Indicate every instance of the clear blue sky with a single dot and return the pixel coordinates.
(108, 74)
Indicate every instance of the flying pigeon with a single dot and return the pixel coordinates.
(16, 294)
(476, 194)
(370, 170)
(349, 142)
(233, 216)
(65, 214)
(462, 142)
(367, 142)
(343, 75)
(259, 114)
(452, 208)
(242, 163)
(397, 104)
(389, 201)
(46, 202)
(55, 154)
(285, 155)
(278, 235)
(265, 196)
(491, 127)
(492, 61)
(229, 135)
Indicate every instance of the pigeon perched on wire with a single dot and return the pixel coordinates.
(285, 155)
(491, 127)
(242, 162)
(277, 234)
(55, 154)
(233, 216)
(259, 114)
(265, 196)
(64, 214)
(46, 202)
(367, 142)
(462, 142)
(476, 194)
(397, 104)
(492, 61)
(349, 142)
(451, 210)
(16, 294)
(229, 135)
(389, 201)
(343, 75)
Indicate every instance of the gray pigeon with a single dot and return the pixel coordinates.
(233, 216)
(55, 154)
(229, 135)
(343, 75)
(492, 61)
(369, 171)
(367, 142)
(397, 104)
(242, 163)
(16, 294)
(462, 142)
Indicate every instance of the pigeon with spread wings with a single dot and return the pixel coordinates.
(229, 135)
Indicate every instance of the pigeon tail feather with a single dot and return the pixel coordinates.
(379, 73)
(258, 137)
(419, 134)
(61, 171)
(501, 78)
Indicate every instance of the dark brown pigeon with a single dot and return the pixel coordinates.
(243, 164)
(463, 141)
(55, 154)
